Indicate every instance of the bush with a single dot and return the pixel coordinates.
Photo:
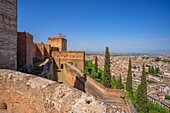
(155, 108)
(167, 97)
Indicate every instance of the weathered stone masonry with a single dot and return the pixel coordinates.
(24, 93)
(24, 50)
(8, 34)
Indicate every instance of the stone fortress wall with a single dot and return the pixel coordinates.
(77, 79)
(76, 58)
(39, 51)
(8, 34)
(24, 50)
(24, 93)
(73, 70)
(57, 48)
(74, 77)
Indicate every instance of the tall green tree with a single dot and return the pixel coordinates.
(157, 69)
(107, 75)
(138, 96)
(95, 65)
(149, 69)
(129, 78)
(142, 100)
(119, 84)
(152, 69)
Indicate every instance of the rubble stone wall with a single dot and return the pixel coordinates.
(25, 93)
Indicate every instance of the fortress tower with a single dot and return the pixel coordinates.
(8, 34)
(24, 50)
(57, 49)
(58, 44)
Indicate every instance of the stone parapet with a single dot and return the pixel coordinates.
(25, 93)
(84, 83)
(105, 91)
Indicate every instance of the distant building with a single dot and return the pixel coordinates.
(57, 49)
(58, 43)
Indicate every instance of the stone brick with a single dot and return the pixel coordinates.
(40, 51)
(24, 48)
(8, 30)
(75, 57)
(47, 50)
(60, 43)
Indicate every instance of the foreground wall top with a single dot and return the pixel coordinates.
(24, 93)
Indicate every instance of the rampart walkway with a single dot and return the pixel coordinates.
(85, 83)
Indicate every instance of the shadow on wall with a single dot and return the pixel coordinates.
(79, 83)
(55, 72)
(61, 66)
(39, 54)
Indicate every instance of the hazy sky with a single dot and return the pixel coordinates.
(91, 25)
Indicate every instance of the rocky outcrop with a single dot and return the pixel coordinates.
(25, 93)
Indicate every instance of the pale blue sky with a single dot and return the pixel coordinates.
(91, 25)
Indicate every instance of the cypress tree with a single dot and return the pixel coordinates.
(95, 65)
(142, 93)
(157, 70)
(119, 83)
(152, 70)
(107, 75)
(138, 99)
(149, 70)
(129, 78)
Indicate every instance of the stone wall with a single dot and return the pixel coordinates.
(29, 51)
(24, 49)
(71, 70)
(21, 49)
(75, 57)
(84, 83)
(130, 107)
(40, 51)
(8, 34)
(47, 50)
(34, 49)
(72, 76)
(104, 91)
(24, 93)
(90, 85)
